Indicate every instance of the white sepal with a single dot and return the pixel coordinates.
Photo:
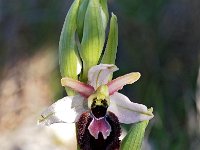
(65, 110)
(127, 111)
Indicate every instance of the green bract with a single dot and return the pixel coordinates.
(111, 46)
(68, 56)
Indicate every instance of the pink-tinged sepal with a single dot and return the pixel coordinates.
(98, 125)
(80, 87)
(118, 83)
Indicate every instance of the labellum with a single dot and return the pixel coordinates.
(98, 129)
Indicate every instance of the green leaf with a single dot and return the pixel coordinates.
(133, 140)
(93, 37)
(68, 57)
(81, 17)
(112, 43)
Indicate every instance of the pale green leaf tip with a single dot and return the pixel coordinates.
(150, 109)
(113, 15)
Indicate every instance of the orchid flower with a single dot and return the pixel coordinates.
(98, 107)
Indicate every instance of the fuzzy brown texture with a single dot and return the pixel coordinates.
(88, 142)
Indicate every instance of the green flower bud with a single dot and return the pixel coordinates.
(82, 11)
(68, 56)
(93, 37)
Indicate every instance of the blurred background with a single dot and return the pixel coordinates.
(160, 39)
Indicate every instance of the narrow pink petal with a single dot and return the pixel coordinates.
(118, 83)
(80, 87)
(99, 125)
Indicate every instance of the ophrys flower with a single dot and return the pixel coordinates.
(97, 108)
